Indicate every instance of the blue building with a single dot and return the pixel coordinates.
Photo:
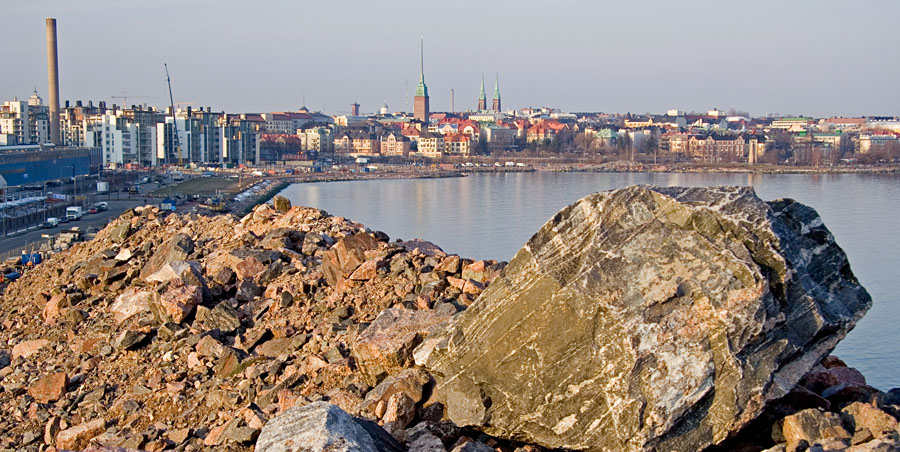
(26, 165)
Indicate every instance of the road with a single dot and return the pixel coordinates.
(99, 220)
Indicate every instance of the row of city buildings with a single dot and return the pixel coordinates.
(146, 136)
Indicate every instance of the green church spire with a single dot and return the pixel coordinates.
(481, 95)
(496, 87)
(421, 88)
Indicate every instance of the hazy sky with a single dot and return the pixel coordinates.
(814, 57)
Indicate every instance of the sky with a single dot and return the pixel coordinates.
(810, 57)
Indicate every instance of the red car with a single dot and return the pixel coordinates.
(92, 210)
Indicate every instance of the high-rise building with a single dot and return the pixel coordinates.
(420, 103)
(496, 104)
(354, 109)
(482, 100)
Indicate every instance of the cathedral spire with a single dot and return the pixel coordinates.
(420, 107)
(482, 103)
(496, 104)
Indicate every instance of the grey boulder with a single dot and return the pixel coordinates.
(320, 427)
(648, 318)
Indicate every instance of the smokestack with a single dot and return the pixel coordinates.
(53, 80)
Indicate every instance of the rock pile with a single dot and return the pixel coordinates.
(667, 319)
(187, 332)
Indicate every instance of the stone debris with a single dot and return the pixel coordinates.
(286, 329)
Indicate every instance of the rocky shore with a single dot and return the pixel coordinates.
(638, 319)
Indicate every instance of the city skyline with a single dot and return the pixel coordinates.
(811, 58)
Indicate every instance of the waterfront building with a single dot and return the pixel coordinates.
(458, 144)
(25, 122)
(395, 144)
(871, 142)
(430, 145)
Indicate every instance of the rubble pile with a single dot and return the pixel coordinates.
(639, 319)
(188, 332)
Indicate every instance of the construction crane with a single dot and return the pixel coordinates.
(125, 97)
(174, 119)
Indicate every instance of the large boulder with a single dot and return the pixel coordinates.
(176, 248)
(648, 318)
(323, 427)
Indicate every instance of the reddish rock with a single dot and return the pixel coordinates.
(473, 287)
(821, 378)
(368, 270)
(249, 268)
(27, 348)
(214, 437)
(53, 309)
(130, 303)
(177, 302)
(346, 256)
(399, 412)
(409, 381)
(49, 388)
(867, 422)
(475, 271)
(811, 425)
(51, 429)
(456, 282)
(449, 264)
(84, 344)
(80, 436)
(386, 346)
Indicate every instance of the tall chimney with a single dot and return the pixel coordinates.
(53, 80)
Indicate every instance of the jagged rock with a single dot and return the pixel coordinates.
(867, 422)
(131, 302)
(281, 203)
(386, 346)
(222, 317)
(812, 425)
(176, 248)
(49, 388)
(473, 446)
(176, 302)
(320, 427)
(79, 436)
(120, 232)
(427, 442)
(188, 272)
(346, 255)
(409, 381)
(27, 348)
(648, 319)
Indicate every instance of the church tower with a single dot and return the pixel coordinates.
(420, 102)
(496, 104)
(482, 102)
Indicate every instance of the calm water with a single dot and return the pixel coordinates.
(490, 216)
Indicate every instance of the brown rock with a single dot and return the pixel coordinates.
(249, 268)
(51, 429)
(177, 248)
(473, 287)
(180, 435)
(49, 388)
(409, 381)
(449, 264)
(821, 378)
(80, 436)
(399, 412)
(456, 282)
(346, 255)
(27, 348)
(54, 308)
(475, 271)
(368, 270)
(177, 302)
(281, 203)
(386, 346)
(867, 422)
(130, 303)
(811, 425)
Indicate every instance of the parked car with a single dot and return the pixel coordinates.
(64, 219)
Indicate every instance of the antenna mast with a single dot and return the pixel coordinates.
(174, 118)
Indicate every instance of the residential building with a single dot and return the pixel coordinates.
(871, 142)
(458, 144)
(796, 124)
(395, 144)
(430, 145)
